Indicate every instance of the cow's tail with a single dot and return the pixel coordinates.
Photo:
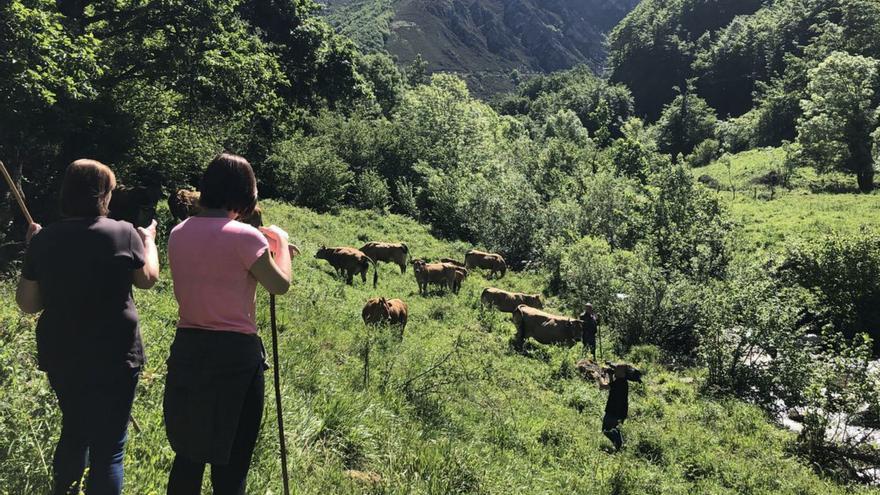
(375, 272)
(520, 337)
(405, 257)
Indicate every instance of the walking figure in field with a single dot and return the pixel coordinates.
(617, 407)
(591, 328)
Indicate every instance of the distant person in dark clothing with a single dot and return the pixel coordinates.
(213, 401)
(617, 407)
(591, 328)
(79, 273)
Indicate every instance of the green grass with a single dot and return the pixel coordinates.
(815, 205)
(449, 409)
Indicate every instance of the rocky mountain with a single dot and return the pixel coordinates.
(483, 40)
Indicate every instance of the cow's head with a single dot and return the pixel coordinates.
(385, 307)
(419, 265)
(534, 301)
(322, 252)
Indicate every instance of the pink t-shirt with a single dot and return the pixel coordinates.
(210, 259)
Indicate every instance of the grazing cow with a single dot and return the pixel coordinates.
(185, 204)
(461, 274)
(380, 311)
(349, 262)
(135, 205)
(507, 302)
(433, 273)
(387, 252)
(546, 328)
(453, 262)
(487, 261)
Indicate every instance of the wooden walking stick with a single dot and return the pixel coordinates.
(15, 192)
(274, 321)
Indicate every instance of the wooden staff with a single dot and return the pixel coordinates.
(274, 321)
(15, 192)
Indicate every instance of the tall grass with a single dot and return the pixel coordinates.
(814, 205)
(449, 407)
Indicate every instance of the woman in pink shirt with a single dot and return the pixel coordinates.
(213, 401)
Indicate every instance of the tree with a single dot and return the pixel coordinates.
(685, 123)
(417, 71)
(834, 132)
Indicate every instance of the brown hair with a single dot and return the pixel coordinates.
(86, 188)
(229, 184)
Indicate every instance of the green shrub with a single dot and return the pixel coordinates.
(842, 272)
(308, 172)
(705, 153)
(751, 343)
(370, 191)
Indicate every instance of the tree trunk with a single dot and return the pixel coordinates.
(866, 179)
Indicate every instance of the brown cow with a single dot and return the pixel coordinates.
(379, 311)
(507, 302)
(185, 204)
(349, 262)
(545, 328)
(487, 261)
(461, 274)
(452, 262)
(135, 205)
(396, 253)
(433, 273)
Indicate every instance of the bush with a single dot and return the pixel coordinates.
(689, 225)
(705, 153)
(735, 135)
(751, 344)
(371, 191)
(405, 199)
(844, 384)
(842, 272)
(308, 172)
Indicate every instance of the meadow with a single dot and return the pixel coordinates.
(812, 206)
(449, 408)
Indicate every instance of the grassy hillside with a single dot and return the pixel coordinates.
(815, 205)
(449, 409)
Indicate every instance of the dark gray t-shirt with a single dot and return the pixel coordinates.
(84, 269)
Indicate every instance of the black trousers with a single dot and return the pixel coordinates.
(227, 479)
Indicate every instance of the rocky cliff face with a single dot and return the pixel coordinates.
(484, 40)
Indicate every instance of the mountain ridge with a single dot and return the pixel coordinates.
(483, 40)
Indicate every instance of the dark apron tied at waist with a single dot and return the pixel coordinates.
(209, 374)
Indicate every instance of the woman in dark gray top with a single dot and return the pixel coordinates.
(79, 273)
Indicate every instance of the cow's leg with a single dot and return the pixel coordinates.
(349, 277)
(364, 273)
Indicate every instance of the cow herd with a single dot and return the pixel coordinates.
(136, 204)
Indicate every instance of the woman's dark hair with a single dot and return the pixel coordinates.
(229, 184)
(86, 189)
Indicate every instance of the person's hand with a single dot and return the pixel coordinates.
(147, 232)
(32, 231)
(275, 235)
